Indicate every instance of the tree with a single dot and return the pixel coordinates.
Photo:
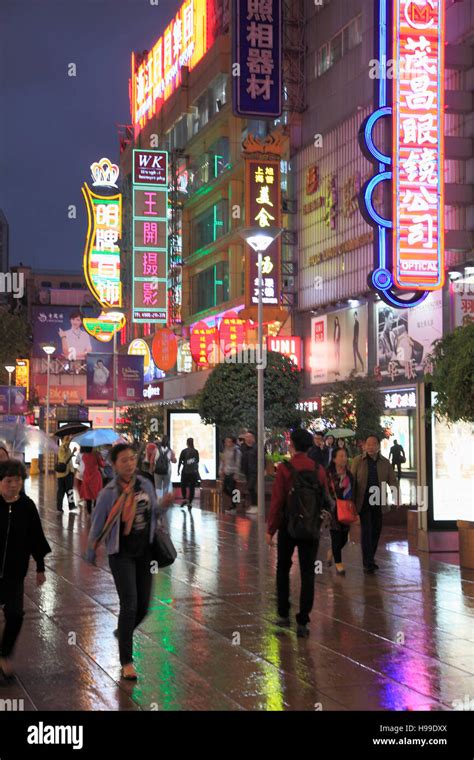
(142, 423)
(357, 404)
(15, 341)
(229, 397)
(452, 375)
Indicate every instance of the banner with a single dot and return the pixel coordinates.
(129, 378)
(18, 403)
(62, 326)
(339, 344)
(100, 377)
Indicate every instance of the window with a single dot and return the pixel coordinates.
(338, 46)
(210, 225)
(211, 287)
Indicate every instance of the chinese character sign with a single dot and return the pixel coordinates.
(257, 52)
(204, 344)
(418, 143)
(102, 252)
(232, 333)
(150, 236)
(22, 374)
(263, 210)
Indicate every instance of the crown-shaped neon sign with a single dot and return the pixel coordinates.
(104, 173)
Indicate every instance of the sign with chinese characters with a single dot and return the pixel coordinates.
(104, 230)
(22, 375)
(164, 349)
(312, 405)
(204, 344)
(232, 333)
(257, 51)
(404, 399)
(184, 43)
(150, 236)
(409, 247)
(288, 345)
(263, 210)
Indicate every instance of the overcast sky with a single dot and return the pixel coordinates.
(53, 126)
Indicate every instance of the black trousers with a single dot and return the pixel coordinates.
(188, 482)
(398, 465)
(11, 595)
(307, 552)
(338, 542)
(65, 488)
(371, 528)
(252, 489)
(133, 581)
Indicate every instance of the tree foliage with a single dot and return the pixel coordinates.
(229, 397)
(142, 423)
(15, 341)
(452, 375)
(356, 403)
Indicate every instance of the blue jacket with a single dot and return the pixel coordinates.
(105, 501)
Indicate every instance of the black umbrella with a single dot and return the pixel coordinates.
(73, 429)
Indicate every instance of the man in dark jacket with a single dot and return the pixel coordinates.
(189, 464)
(397, 457)
(307, 549)
(250, 470)
(319, 452)
(21, 535)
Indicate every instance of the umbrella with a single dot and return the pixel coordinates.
(340, 433)
(99, 437)
(18, 436)
(73, 429)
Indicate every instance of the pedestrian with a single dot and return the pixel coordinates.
(147, 460)
(329, 443)
(92, 482)
(188, 465)
(341, 486)
(125, 517)
(397, 457)
(229, 468)
(318, 452)
(64, 470)
(21, 536)
(107, 471)
(163, 459)
(301, 470)
(249, 467)
(341, 444)
(372, 472)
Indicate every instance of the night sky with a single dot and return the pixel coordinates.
(52, 126)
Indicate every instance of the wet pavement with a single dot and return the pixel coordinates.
(400, 640)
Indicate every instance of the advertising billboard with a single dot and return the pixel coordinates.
(100, 377)
(62, 326)
(129, 378)
(13, 400)
(184, 424)
(339, 344)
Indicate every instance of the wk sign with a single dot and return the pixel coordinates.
(409, 253)
(257, 58)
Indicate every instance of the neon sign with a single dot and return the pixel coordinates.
(102, 253)
(184, 42)
(409, 250)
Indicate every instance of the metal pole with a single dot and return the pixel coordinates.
(260, 398)
(46, 458)
(9, 392)
(115, 376)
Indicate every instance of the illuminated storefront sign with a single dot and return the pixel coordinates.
(184, 42)
(257, 51)
(153, 391)
(311, 405)
(232, 333)
(22, 375)
(409, 252)
(150, 236)
(288, 345)
(263, 210)
(139, 347)
(204, 344)
(102, 252)
(404, 399)
(164, 349)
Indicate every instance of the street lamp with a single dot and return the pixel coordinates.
(117, 318)
(9, 368)
(259, 239)
(49, 351)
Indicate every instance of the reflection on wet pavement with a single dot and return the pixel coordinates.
(400, 640)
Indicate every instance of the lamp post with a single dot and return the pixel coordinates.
(9, 368)
(117, 318)
(49, 351)
(259, 239)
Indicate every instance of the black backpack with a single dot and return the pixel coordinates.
(162, 462)
(304, 504)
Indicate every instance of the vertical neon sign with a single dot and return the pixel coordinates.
(409, 247)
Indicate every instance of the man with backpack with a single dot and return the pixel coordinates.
(300, 494)
(162, 466)
(189, 462)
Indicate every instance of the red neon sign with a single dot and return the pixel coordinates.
(418, 145)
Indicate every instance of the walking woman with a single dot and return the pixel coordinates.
(162, 466)
(341, 486)
(189, 462)
(21, 536)
(91, 483)
(125, 517)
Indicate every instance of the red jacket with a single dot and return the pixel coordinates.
(282, 486)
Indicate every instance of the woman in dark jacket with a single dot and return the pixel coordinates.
(341, 486)
(21, 535)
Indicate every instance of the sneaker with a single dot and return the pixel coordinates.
(252, 510)
(302, 631)
(283, 622)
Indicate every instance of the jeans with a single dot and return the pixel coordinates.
(188, 481)
(338, 542)
(11, 595)
(65, 488)
(133, 580)
(371, 528)
(307, 552)
(162, 484)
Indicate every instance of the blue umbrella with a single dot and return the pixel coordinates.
(99, 437)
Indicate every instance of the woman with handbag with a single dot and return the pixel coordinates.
(341, 488)
(126, 519)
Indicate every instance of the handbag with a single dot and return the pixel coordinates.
(61, 467)
(346, 511)
(162, 548)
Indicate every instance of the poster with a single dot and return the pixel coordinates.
(339, 344)
(18, 403)
(100, 374)
(463, 305)
(183, 425)
(405, 337)
(129, 378)
(61, 326)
